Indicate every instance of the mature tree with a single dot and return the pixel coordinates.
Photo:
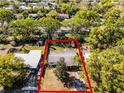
(61, 1)
(82, 23)
(12, 71)
(24, 29)
(6, 15)
(4, 3)
(72, 10)
(89, 18)
(75, 23)
(106, 69)
(105, 36)
(41, 14)
(51, 25)
(60, 70)
(52, 14)
(120, 22)
(120, 42)
(65, 7)
(103, 6)
(25, 14)
(112, 16)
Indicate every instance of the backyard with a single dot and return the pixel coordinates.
(51, 82)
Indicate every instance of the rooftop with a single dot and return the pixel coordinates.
(68, 55)
(31, 59)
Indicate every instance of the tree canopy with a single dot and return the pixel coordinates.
(12, 71)
(106, 68)
(24, 29)
(105, 36)
(88, 17)
(51, 24)
(52, 14)
(61, 69)
(6, 15)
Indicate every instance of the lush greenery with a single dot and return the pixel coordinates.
(61, 69)
(99, 24)
(107, 69)
(12, 71)
(24, 29)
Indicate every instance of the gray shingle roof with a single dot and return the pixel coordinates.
(54, 57)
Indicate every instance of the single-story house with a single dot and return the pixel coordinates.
(23, 4)
(63, 16)
(64, 30)
(52, 5)
(10, 7)
(3, 50)
(42, 29)
(68, 56)
(34, 16)
(31, 59)
(24, 7)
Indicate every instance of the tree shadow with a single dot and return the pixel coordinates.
(73, 82)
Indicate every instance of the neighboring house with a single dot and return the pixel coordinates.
(93, 0)
(23, 4)
(42, 29)
(83, 29)
(34, 16)
(24, 7)
(31, 59)
(68, 55)
(3, 50)
(9, 7)
(52, 5)
(63, 16)
(35, 4)
(64, 30)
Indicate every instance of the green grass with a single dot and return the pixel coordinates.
(34, 47)
(57, 49)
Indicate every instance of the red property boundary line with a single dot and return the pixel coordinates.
(83, 63)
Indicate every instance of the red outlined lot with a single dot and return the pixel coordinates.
(83, 63)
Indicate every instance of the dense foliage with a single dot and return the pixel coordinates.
(106, 68)
(6, 15)
(61, 69)
(24, 29)
(51, 25)
(12, 71)
(99, 24)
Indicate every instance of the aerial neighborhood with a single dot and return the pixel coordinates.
(92, 61)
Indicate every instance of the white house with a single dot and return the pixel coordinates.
(31, 59)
